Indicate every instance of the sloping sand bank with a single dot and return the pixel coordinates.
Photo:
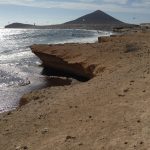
(111, 111)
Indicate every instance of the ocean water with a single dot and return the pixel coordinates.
(19, 67)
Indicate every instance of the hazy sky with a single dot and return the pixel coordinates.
(59, 11)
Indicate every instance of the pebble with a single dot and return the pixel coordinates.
(70, 138)
(141, 142)
(9, 113)
(25, 147)
(126, 90)
(80, 144)
(121, 95)
(45, 130)
(138, 121)
(21, 147)
(18, 147)
(125, 142)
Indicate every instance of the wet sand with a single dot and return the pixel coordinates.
(11, 95)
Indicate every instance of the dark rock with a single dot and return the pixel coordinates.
(131, 48)
(138, 121)
(25, 147)
(9, 113)
(70, 138)
(45, 130)
(104, 39)
(80, 144)
(141, 142)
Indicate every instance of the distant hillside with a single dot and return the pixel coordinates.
(145, 24)
(97, 17)
(19, 25)
(97, 20)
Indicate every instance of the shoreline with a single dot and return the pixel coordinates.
(19, 68)
(16, 93)
(109, 111)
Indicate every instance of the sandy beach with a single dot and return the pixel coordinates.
(110, 111)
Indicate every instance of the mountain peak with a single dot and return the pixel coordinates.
(96, 17)
(97, 11)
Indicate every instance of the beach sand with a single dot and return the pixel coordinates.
(108, 112)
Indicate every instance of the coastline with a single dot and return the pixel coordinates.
(19, 68)
(109, 111)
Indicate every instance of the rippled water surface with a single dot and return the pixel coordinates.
(19, 68)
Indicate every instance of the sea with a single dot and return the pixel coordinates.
(20, 69)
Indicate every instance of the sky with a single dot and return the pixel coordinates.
(43, 12)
